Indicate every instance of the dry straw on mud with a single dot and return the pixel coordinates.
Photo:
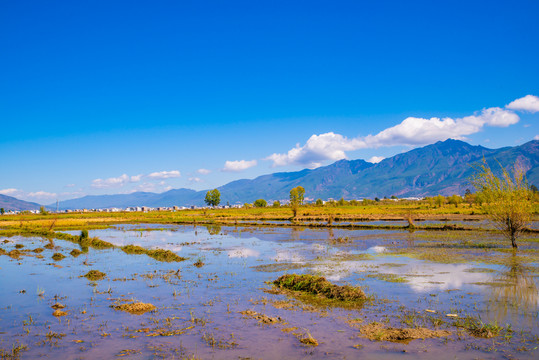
(377, 331)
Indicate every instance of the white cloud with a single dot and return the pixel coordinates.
(165, 174)
(69, 185)
(527, 103)
(328, 146)
(536, 137)
(11, 192)
(412, 131)
(42, 195)
(114, 181)
(195, 179)
(203, 171)
(376, 159)
(239, 165)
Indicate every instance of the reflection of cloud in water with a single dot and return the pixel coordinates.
(319, 247)
(443, 276)
(243, 253)
(376, 249)
(421, 277)
(285, 255)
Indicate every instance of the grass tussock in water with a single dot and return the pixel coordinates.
(318, 285)
(134, 249)
(75, 252)
(157, 254)
(58, 256)
(135, 308)
(94, 275)
(164, 255)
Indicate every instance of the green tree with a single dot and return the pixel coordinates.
(260, 203)
(439, 200)
(508, 200)
(342, 202)
(297, 196)
(454, 200)
(2, 211)
(276, 204)
(319, 202)
(213, 198)
(43, 211)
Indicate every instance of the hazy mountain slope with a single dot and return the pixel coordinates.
(11, 203)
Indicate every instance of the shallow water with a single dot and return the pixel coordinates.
(204, 303)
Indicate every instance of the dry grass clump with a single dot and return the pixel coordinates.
(15, 254)
(94, 275)
(318, 285)
(58, 256)
(38, 250)
(262, 319)
(135, 308)
(75, 252)
(59, 313)
(164, 255)
(377, 331)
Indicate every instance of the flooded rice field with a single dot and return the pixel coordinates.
(438, 294)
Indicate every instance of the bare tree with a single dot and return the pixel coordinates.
(508, 200)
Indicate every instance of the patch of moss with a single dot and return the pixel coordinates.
(318, 285)
(94, 275)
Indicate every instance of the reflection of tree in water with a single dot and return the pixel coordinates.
(515, 292)
(213, 229)
(331, 235)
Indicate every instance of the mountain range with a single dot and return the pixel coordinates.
(441, 168)
(11, 203)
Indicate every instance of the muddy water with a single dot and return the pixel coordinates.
(198, 308)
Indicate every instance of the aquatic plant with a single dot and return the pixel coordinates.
(318, 285)
(94, 275)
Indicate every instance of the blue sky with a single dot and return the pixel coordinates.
(109, 97)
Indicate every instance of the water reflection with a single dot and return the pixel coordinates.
(514, 289)
(243, 253)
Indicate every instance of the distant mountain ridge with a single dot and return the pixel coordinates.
(11, 203)
(441, 168)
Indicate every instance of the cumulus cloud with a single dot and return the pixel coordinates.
(376, 159)
(239, 165)
(165, 174)
(11, 192)
(328, 146)
(527, 103)
(195, 179)
(203, 171)
(115, 181)
(412, 131)
(536, 137)
(42, 195)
